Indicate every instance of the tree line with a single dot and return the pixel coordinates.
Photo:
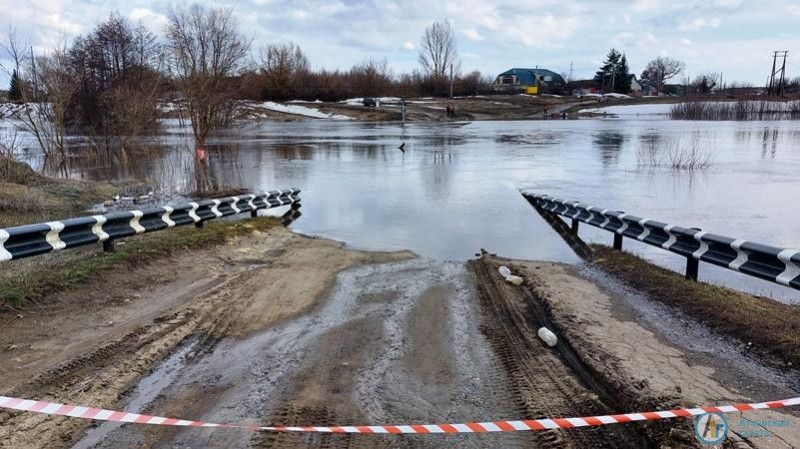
(110, 80)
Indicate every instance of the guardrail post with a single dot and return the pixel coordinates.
(692, 267)
(108, 246)
(575, 225)
(198, 224)
(254, 213)
(618, 242)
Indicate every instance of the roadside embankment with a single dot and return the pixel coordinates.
(29, 197)
(648, 366)
(762, 324)
(29, 282)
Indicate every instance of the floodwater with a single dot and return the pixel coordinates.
(455, 189)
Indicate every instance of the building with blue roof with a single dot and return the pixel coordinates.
(522, 79)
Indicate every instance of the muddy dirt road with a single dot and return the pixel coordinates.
(276, 328)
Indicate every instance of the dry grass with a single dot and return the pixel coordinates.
(686, 152)
(742, 109)
(30, 281)
(43, 199)
(771, 326)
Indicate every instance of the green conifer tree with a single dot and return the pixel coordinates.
(15, 89)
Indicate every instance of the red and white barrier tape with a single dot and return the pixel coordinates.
(77, 411)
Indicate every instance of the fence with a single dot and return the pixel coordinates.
(778, 265)
(41, 238)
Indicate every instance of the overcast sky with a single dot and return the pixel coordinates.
(735, 37)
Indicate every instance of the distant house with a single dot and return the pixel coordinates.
(648, 89)
(531, 81)
(583, 87)
(636, 87)
(673, 90)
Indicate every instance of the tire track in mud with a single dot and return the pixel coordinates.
(544, 385)
(109, 368)
(431, 364)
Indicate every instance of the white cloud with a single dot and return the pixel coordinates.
(152, 20)
(473, 35)
(339, 33)
(699, 23)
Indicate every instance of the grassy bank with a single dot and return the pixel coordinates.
(30, 281)
(769, 325)
(27, 197)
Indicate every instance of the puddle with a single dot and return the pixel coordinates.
(145, 392)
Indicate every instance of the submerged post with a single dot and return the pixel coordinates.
(618, 242)
(692, 267)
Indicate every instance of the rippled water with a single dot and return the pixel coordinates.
(455, 189)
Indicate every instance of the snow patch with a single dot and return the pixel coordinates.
(383, 100)
(633, 109)
(299, 110)
(615, 95)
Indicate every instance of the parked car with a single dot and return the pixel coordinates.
(370, 101)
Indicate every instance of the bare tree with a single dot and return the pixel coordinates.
(54, 86)
(705, 83)
(439, 52)
(119, 65)
(14, 50)
(371, 78)
(473, 82)
(205, 52)
(285, 66)
(50, 86)
(661, 69)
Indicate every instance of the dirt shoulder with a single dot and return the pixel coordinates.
(90, 345)
(762, 324)
(553, 382)
(629, 348)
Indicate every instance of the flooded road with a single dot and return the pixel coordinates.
(455, 188)
(381, 348)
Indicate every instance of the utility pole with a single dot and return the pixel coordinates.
(613, 77)
(571, 74)
(772, 74)
(777, 88)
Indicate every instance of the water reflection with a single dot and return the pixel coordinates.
(766, 139)
(291, 215)
(455, 189)
(610, 144)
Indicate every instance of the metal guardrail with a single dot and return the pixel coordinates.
(778, 265)
(31, 240)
